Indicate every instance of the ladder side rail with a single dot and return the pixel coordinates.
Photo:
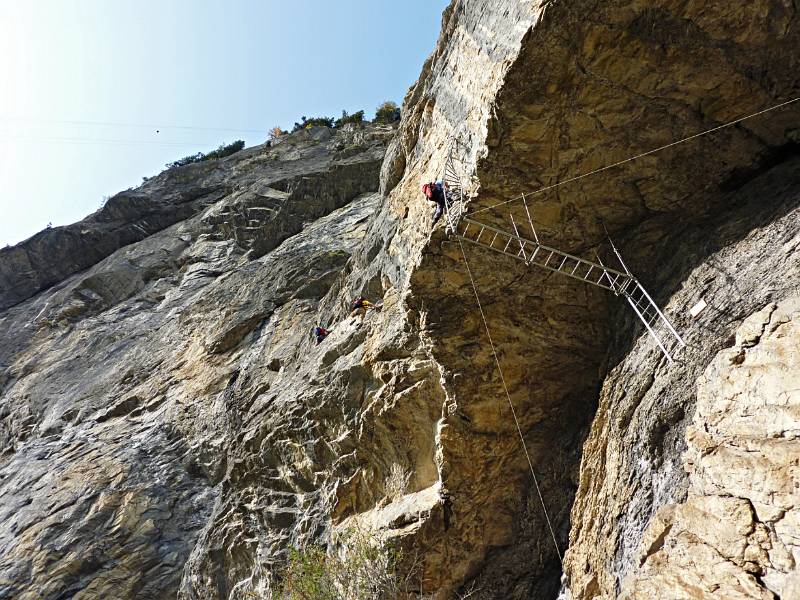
(577, 277)
(545, 247)
(650, 330)
(529, 262)
(664, 319)
(495, 248)
(519, 257)
(478, 239)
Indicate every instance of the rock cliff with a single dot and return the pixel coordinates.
(168, 427)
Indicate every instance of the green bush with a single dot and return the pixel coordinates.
(225, 150)
(305, 123)
(221, 152)
(388, 112)
(356, 117)
(186, 160)
(366, 571)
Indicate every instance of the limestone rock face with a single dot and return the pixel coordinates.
(633, 459)
(735, 535)
(713, 218)
(118, 384)
(169, 427)
(250, 180)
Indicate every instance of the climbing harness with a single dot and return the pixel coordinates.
(533, 252)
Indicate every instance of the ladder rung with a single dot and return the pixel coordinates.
(620, 283)
(625, 287)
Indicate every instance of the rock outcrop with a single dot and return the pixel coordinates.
(169, 428)
(735, 535)
(633, 460)
(117, 383)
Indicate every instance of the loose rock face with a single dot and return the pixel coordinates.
(169, 427)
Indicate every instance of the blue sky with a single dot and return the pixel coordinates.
(86, 84)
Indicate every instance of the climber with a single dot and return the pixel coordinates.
(360, 307)
(435, 192)
(320, 333)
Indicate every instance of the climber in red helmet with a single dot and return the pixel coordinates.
(434, 192)
(320, 333)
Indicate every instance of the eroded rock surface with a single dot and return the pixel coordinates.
(169, 427)
(117, 383)
(736, 534)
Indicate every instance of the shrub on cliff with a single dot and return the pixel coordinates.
(221, 152)
(305, 123)
(225, 150)
(386, 113)
(366, 571)
(186, 160)
(356, 117)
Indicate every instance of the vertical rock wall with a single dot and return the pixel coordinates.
(166, 412)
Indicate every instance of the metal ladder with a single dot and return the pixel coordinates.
(532, 252)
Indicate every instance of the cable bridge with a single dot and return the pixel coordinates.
(532, 252)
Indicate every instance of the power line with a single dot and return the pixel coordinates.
(98, 141)
(632, 158)
(122, 124)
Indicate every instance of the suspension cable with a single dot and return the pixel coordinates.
(510, 403)
(632, 158)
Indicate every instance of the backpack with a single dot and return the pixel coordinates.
(427, 189)
(318, 331)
